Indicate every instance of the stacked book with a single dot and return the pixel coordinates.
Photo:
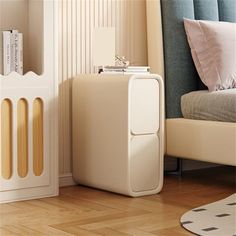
(125, 70)
(12, 52)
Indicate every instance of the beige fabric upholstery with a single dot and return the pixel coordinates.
(209, 141)
(154, 37)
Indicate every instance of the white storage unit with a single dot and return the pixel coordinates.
(118, 130)
(28, 105)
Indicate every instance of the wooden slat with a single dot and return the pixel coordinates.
(22, 138)
(38, 136)
(6, 139)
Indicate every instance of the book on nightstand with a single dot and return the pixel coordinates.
(125, 70)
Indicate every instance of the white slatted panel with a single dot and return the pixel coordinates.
(77, 18)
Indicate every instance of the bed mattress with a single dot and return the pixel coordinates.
(213, 106)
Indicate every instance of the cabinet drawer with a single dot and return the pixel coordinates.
(144, 162)
(144, 106)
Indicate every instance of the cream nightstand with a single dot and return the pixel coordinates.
(118, 130)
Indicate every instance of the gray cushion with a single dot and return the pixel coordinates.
(214, 106)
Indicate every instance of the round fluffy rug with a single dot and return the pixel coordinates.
(217, 218)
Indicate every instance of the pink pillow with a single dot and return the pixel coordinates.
(213, 48)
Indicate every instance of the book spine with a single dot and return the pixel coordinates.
(14, 50)
(20, 54)
(6, 52)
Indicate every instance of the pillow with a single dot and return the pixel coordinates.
(213, 48)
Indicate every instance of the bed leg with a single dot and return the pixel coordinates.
(178, 170)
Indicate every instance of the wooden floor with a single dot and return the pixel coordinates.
(85, 211)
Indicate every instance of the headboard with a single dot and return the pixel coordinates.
(180, 74)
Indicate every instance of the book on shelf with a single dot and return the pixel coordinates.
(125, 70)
(12, 52)
(20, 54)
(6, 52)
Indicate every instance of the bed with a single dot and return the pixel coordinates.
(204, 140)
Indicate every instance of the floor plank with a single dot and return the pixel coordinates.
(89, 212)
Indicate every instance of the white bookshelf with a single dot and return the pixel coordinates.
(28, 108)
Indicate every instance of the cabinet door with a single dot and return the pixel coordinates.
(144, 106)
(144, 162)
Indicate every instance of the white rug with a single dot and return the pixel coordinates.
(216, 219)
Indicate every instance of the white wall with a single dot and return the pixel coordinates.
(77, 18)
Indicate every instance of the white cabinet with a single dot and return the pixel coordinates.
(118, 128)
(28, 105)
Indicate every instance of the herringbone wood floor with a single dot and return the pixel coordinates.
(88, 212)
